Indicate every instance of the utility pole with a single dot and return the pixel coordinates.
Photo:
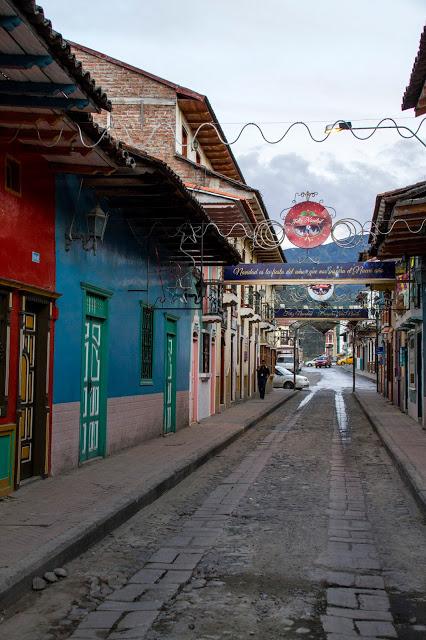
(353, 358)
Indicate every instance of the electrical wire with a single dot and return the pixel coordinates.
(212, 125)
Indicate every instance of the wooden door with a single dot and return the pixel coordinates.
(169, 421)
(222, 370)
(93, 378)
(194, 378)
(32, 403)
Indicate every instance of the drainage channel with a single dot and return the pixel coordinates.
(357, 603)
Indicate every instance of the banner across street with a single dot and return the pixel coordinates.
(335, 273)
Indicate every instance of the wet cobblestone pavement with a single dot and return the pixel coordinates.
(302, 528)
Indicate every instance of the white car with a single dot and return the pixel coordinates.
(310, 363)
(284, 379)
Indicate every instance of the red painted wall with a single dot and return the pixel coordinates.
(27, 224)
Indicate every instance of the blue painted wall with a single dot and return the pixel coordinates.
(119, 265)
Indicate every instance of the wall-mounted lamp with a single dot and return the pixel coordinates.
(96, 220)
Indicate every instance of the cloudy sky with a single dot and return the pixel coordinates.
(275, 62)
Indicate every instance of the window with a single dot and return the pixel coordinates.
(147, 343)
(13, 175)
(197, 157)
(205, 353)
(184, 142)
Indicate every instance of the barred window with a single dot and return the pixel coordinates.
(147, 343)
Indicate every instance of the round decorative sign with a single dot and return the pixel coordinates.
(307, 224)
(321, 292)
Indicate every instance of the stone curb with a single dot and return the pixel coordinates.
(406, 469)
(63, 550)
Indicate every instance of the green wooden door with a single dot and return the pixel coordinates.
(93, 400)
(170, 377)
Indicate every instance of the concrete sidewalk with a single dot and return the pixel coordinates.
(364, 374)
(48, 522)
(403, 437)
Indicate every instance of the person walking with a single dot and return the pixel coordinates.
(263, 374)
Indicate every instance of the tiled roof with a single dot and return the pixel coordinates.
(418, 76)
(61, 50)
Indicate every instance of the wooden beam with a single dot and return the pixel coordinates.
(40, 149)
(9, 23)
(80, 169)
(122, 181)
(24, 61)
(17, 118)
(30, 135)
(132, 191)
(37, 102)
(36, 88)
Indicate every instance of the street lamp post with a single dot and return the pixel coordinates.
(353, 358)
(295, 328)
(376, 349)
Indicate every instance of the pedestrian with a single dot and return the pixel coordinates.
(263, 374)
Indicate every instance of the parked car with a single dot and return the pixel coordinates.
(310, 363)
(345, 360)
(284, 379)
(287, 361)
(322, 361)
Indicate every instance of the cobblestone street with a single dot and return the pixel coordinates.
(300, 528)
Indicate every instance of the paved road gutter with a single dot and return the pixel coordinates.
(71, 542)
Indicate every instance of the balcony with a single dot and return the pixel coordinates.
(247, 302)
(268, 317)
(213, 303)
(230, 296)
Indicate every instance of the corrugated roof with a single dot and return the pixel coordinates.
(418, 76)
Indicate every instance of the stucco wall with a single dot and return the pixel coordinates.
(134, 411)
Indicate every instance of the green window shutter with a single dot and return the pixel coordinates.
(147, 343)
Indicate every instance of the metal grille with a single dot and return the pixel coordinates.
(147, 332)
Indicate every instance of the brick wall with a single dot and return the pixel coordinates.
(151, 127)
(155, 131)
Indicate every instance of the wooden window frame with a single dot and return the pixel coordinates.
(185, 138)
(10, 159)
(144, 379)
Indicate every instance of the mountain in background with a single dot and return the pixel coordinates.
(344, 295)
(330, 252)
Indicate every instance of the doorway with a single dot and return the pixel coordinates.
(419, 377)
(32, 403)
(169, 419)
(93, 377)
(194, 377)
(222, 370)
